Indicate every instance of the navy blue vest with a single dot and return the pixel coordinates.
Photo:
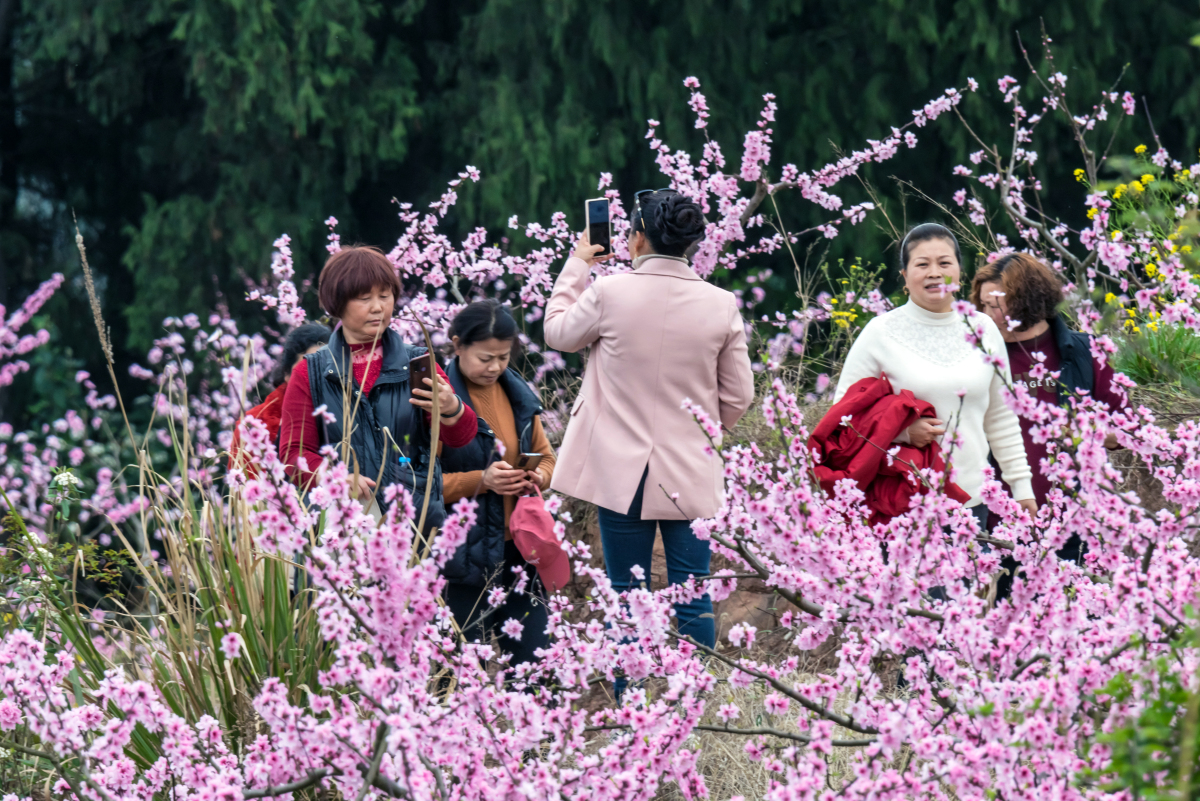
(477, 560)
(1074, 359)
(389, 436)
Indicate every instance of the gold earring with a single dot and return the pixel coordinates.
(905, 290)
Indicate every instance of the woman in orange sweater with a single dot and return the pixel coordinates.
(484, 334)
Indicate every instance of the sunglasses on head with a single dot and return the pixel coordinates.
(637, 201)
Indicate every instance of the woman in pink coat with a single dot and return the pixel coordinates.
(659, 335)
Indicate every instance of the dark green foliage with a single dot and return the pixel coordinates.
(1155, 754)
(1168, 355)
(189, 135)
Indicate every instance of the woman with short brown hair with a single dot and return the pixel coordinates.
(361, 382)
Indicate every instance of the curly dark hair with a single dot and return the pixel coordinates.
(1032, 292)
(672, 222)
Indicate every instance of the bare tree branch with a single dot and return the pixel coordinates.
(314, 777)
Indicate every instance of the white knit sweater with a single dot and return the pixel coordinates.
(927, 353)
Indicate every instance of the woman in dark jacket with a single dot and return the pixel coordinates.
(1022, 295)
(509, 424)
(360, 384)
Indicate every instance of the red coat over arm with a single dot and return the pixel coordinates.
(859, 451)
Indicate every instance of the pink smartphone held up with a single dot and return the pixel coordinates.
(599, 226)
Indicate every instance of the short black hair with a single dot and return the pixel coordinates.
(483, 320)
(923, 233)
(671, 221)
(298, 340)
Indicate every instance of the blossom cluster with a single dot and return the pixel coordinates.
(933, 689)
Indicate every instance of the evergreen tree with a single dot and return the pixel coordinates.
(188, 135)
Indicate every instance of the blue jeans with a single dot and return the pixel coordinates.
(628, 540)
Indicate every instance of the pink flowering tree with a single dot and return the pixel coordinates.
(998, 700)
(13, 345)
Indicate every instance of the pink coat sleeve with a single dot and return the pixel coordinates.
(735, 379)
(573, 313)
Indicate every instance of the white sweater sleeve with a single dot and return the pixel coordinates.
(861, 362)
(1001, 425)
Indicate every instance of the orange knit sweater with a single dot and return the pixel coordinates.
(493, 405)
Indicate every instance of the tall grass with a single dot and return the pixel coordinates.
(1168, 356)
(212, 579)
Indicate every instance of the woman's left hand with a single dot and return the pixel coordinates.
(448, 403)
(1029, 505)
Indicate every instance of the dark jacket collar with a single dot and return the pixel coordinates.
(395, 357)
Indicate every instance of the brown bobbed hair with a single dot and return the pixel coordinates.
(1032, 292)
(354, 271)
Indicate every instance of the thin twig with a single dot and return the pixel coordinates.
(825, 712)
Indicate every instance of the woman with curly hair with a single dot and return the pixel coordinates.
(1022, 296)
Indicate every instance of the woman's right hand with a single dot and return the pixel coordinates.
(925, 431)
(504, 479)
(362, 487)
(585, 250)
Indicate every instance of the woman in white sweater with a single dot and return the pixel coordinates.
(921, 346)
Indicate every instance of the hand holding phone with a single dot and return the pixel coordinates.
(420, 368)
(529, 461)
(504, 479)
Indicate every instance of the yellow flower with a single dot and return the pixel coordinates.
(1152, 326)
(1129, 312)
(1120, 190)
(1109, 298)
(1092, 213)
(834, 300)
(1151, 270)
(1140, 149)
(1079, 175)
(1186, 249)
(1147, 178)
(1115, 234)
(1136, 186)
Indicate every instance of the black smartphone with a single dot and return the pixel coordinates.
(599, 226)
(528, 461)
(420, 368)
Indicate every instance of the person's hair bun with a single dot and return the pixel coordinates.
(679, 222)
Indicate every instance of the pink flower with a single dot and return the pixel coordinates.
(10, 715)
(776, 704)
(231, 645)
(512, 628)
